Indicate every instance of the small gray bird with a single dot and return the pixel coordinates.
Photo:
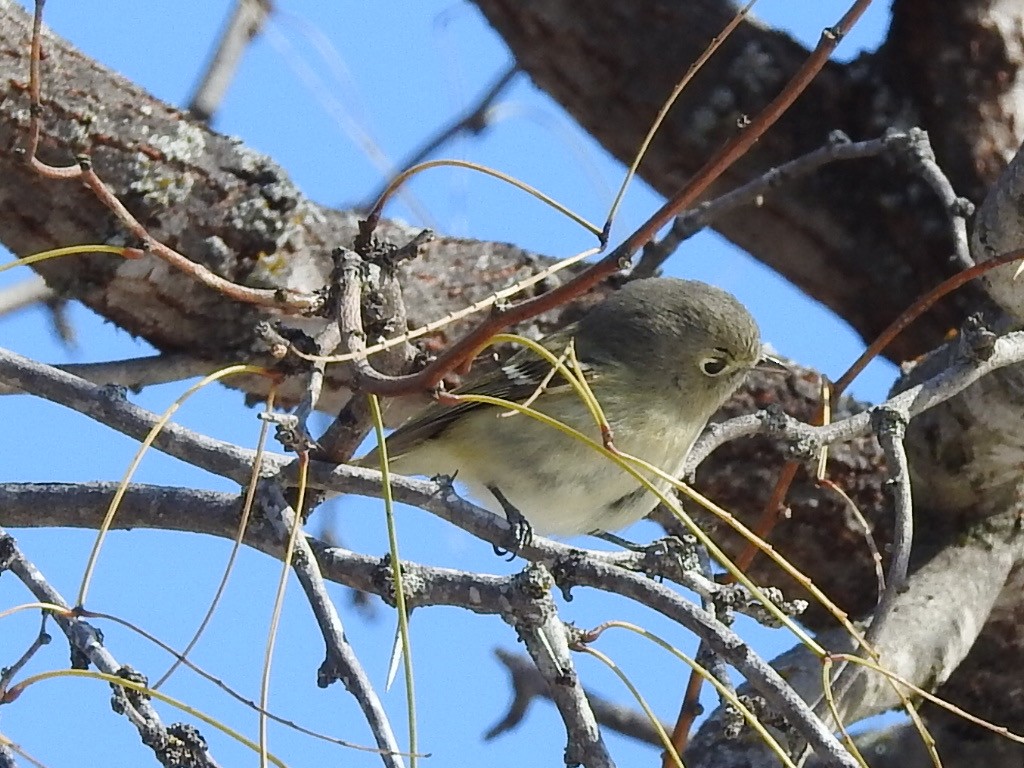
(660, 355)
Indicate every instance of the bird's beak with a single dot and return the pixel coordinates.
(771, 364)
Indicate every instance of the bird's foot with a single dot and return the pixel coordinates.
(520, 530)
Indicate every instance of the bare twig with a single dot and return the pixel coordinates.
(341, 440)
(890, 426)
(341, 662)
(528, 684)
(473, 121)
(247, 19)
(109, 406)
(293, 428)
(352, 279)
(24, 294)
(959, 209)
(721, 639)
(690, 222)
(924, 641)
(349, 310)
(690, 707)
(87, 645)
(912, 146)
(546, 640)
(8, 673)
(135, 373)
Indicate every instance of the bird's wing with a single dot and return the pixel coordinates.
(517, 380)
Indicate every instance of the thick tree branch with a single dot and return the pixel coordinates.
(864, 229)
(208, 196)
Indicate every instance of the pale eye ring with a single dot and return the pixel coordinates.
(714, 366)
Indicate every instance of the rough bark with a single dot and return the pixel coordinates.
(205, 194)
(611, 65)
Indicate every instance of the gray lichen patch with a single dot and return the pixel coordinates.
(275, 214)
(284, 236)
(165, 183)
(162, 190)
(218, 256)
(186, 146)
(77, 134)
(250, 165)
(255, 216)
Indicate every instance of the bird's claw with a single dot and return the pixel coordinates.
(520, 530)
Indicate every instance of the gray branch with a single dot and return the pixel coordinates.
(171, 745)
(341, 662)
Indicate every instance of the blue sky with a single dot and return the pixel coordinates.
(298, 106)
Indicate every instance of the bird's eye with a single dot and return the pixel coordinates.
(714, 366)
